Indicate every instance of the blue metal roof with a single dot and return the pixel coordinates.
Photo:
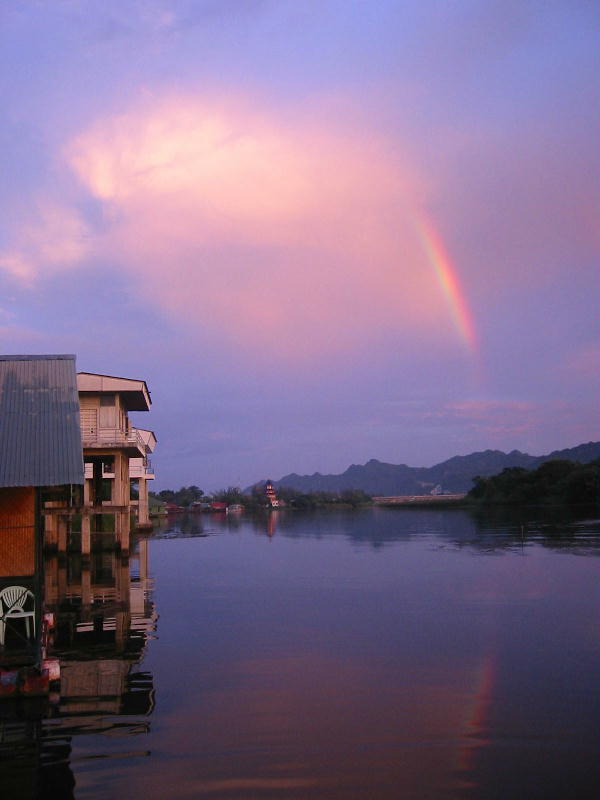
(40, 437)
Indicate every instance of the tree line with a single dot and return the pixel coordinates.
(554, 482)
(256, 498)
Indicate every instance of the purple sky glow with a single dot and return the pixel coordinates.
(231, 200)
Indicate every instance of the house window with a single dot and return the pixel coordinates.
(106, 490)
(108, 416)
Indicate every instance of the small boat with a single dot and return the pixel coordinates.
(236, 508)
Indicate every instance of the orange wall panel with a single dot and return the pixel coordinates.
(17, 531)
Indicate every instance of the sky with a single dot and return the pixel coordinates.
(322, 231)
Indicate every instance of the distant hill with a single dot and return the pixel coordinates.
(454, 475)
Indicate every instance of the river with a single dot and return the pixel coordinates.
(376, 653)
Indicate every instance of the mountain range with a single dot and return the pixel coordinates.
(454, 475)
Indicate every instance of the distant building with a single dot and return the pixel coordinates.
(271, 496)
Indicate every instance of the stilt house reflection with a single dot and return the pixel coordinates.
(76, 610)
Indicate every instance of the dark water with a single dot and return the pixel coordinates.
(370, 654)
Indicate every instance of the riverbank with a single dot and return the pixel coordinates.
(426, 500)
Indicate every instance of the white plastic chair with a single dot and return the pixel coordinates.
(12, 606)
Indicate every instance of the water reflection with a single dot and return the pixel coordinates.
(382, 654)
(486, 531)
(369, 654)
(79, 672)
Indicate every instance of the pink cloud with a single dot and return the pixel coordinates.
(495, 420)
(584, 361)
(291, 236)
(12, 335)
(530, 426)
(55, 238)
(483, 409)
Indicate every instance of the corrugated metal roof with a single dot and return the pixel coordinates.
(40, 437)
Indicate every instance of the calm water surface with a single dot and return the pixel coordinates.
(370, 654)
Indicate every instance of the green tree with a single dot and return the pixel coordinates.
(232, 496)
(355, 497)
(558, 481)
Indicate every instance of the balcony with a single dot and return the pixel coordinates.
(141, 468)
(113, 438)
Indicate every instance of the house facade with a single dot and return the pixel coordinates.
(113, 448)
(69, 449)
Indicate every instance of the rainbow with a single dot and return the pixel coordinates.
(477, 712)
(448, 280)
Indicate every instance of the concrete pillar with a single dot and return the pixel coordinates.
(122, 580)
(86, 586)
(50, 579)
(123, 617)
(62, 530)
(86, 535)
(143, 557)
(122, 625)
(121, 489)
(61, 581)
(50, 532)
(122, 525)
(143, 511)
